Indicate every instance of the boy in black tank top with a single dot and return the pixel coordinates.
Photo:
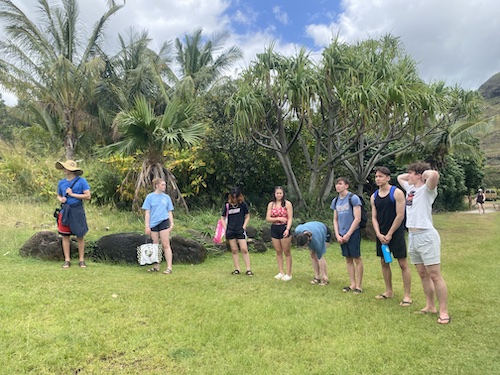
(388, 211)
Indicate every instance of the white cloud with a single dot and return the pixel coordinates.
(453, 40)
(280, 15)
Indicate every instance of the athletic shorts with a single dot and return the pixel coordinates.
(277, 231)
(353, 247)
(425, 247)
(397, 245)
(239, 234)
(165, 224)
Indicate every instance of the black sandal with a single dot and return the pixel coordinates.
(315, 281)
(249, 273)
(235, 272)
(153, 269)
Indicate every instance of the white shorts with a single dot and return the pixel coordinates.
(425, 247)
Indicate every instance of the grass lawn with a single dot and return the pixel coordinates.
(119, 319)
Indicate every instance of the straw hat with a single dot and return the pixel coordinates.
(69, 165)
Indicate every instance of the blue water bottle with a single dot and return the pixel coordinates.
(387, 253)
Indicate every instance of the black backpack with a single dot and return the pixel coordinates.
(364, 213)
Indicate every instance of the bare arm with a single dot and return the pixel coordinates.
(171, 219)
(399, 197)
(431, 178)
(147, 216)
(245, 223)
(375, 224)
(402, 178)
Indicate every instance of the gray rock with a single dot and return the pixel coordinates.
(46, 245)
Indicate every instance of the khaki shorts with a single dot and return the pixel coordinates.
(425, 247)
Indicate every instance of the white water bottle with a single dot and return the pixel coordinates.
(387, 253)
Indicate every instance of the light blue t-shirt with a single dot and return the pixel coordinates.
(318, 231)
(159, 206)
(345, 212)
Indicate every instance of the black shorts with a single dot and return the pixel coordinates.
(165, 224)
(239, 234)
(397, 245)
(277, 231)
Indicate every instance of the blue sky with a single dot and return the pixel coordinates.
(452, 40)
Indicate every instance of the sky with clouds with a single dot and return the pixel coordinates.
(452, 40)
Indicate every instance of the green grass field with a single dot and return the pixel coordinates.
(119, 319)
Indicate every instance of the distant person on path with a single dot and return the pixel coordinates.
(346, 218)
(480, 198)
(159, 221)
(72, 190)
(238, 217)
(388, 212)
(316, 236)
(280, 215)
(420, 184)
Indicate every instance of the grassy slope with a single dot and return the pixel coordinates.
(491, 147)
(117, 319)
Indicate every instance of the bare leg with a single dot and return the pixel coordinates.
(244, 252)
(406, 273)
(358, 263)
(279, 254)
(315, 265)
(350, 271)
(387, 274)
(81, 248)
(167, 249)
(66, 248)
(233, 244)
(155, 237)
(440, 288)
(285, 245)
(428, 286)
(323, 269)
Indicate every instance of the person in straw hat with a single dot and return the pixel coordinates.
(72, 190)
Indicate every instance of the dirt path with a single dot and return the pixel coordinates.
(489, 207)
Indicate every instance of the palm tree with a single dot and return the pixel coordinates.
(199, 66)
(141, 133)
(51, 64)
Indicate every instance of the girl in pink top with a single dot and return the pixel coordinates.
(280, 215)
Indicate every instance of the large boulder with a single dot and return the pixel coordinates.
(119, 247)
(122, 247)
(187, 251)
(46, 245)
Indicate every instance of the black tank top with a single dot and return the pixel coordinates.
(386, 212)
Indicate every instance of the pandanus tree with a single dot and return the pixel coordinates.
(272, 105)
(139, 132)
(52, 65)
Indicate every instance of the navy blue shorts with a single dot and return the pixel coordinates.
(165, 224)
(353, 247)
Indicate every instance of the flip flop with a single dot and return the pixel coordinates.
(357, 291)
(153, 269)
(405, 303)
(66, 264)
(424, 312)
(346, 289)
(444, 320)
(382, 296)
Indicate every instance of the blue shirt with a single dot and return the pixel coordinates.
(78, 188)
(345, 214)
(159, 206)
(318, 240)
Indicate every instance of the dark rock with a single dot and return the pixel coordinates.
(187, 251)
(122, 247)
(266, 233)
(251, 232)
(260, 246)
(119, 247)
(491, 88)
(46, 245)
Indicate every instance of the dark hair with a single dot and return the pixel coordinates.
(342, 179)
(383, 170)
(283, 200)
(419, 167)
(235, 196)
(302, 239)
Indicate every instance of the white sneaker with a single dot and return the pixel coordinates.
(279, 276)
(286, 278)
